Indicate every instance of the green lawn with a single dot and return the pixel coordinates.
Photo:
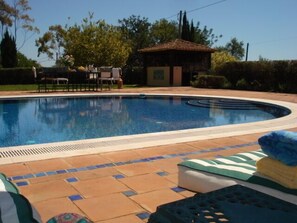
(25, 87)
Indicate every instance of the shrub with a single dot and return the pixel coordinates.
(209, 81)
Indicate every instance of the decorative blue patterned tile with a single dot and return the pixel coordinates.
(215, 149)
(91, 167)
(119, 163)
(177, 189)
(71, 180)
(100, 166)
(17, 178)
(143, 215)
(109, 164)
(162, 174)
(182, 154)
(141, 161)
(118, 176)
(27, 176)
(156, 158)
(129, 193)
(41, 174)
(51, 173)
(61, 171)
(22, 183)
(75, 197)
(72, 170)
(82, 169)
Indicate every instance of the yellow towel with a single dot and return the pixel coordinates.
(278, 172)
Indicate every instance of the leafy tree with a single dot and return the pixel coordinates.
(163, 31)
(136, 31)
(5, 15)
(89, 43)
(52, 41)
(22, 20)
(8, 51)
(219, 58)
(235, 48)
(23, 61)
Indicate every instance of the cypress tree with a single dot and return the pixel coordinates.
(8, 51)
(185, 35)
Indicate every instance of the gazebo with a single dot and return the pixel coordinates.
(175, 63)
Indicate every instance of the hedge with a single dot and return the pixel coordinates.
(16, 76)
(276, 76)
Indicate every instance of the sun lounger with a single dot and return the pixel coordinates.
(203, 176)
(13, 206)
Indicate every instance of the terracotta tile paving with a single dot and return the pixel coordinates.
(99, 187)
(137, 169)
(130, 191)
(147, 182)
(108, 206)
(151, 200)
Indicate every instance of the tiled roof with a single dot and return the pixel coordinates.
(179, 45)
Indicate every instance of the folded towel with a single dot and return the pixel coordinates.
(280, 145)
(278, 172)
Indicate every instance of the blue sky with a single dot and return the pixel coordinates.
(269, 26)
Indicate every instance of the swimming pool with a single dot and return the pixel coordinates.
(26, 121)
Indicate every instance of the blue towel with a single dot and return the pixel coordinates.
(280, 145)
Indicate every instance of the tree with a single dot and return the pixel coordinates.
(235, 48)
(89, 43)
(5, 15)
(219, 58)
(185, 34)
(163, 31)
(23, 61)
(52, 42)
(22, 20)
(136, 31)
(196, 34)
(8, 51)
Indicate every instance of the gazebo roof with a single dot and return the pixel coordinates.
(178, 45)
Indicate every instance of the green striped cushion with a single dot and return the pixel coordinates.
(241, 166)
(13, 206)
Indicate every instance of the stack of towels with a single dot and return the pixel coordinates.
(280, 165)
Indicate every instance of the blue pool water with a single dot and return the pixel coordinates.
(56, 119)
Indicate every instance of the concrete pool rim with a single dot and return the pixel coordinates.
(91, 146)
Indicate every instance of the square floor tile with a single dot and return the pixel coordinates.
(99, 186)
(147, 182)
(151, 200)
(119, 176)
(22, 183)
(177, 189)
(143, 215)
(75, 197)
(108, 207)
(71, 180)
(129, 193)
